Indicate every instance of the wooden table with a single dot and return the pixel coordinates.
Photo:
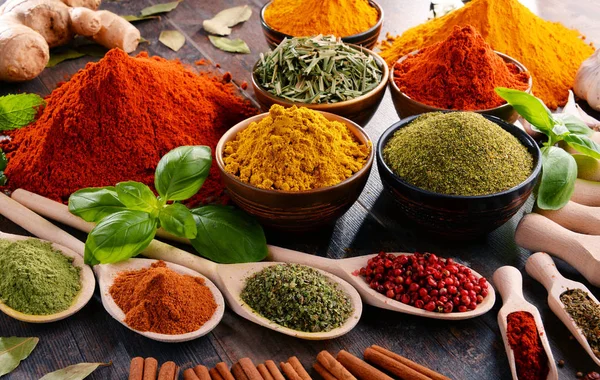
(470, 349)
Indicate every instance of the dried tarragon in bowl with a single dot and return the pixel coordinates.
(297, 297)
(316, 70)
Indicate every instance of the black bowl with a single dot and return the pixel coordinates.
(452, 216)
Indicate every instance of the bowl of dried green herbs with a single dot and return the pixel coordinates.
(322, 73)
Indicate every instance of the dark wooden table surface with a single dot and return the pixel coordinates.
(470, 349)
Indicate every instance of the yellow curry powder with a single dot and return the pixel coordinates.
(294, 149)
(550, 51)
(305, 18)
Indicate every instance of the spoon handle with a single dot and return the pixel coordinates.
(587, 193)
(285, 255)
(576, 217)
(541, 267)
(509, 283)
(37, 225)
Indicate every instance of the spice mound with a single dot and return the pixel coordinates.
(586, 314)
(294, 149)
(425, 281)
(320, 69)
(530, 357)
(35, 278)
(303, 18)
(114, 120)
(160, 300)
(458, 153)
(297, 297)
(459, 73)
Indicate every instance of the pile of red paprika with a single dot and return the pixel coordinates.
(530, 357)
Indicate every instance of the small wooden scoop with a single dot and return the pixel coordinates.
(575, 217)
(541, 267)
(538, 233)
(509, 283)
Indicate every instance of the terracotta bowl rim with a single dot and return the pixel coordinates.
(382, 164)
(429, 108)
(356, 130)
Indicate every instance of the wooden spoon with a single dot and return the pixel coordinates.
(509, 282)
(230, 278)
(586, 192)
(88, 284)
(345, 268)
(538, 233)
(575, 217)
(541, 267)
(106, 274)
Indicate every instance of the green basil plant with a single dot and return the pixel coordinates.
(128, 215)
(559, 169)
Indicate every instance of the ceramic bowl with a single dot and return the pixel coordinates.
(406, 106)
(295, 211)
(360, 110)
(452, 216)
(368, 38)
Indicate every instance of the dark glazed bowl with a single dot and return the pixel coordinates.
(452, 216)
(406, 106)
(296, 211)
(367, 39)
(360, 110)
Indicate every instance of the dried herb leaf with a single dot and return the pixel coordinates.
(134, 18)
(223, 21)
(159, 8)
(74, 372)
(172, 39)
(231, 46)
(60, 55)
(56, 58)
(13, 350)
(17, 111)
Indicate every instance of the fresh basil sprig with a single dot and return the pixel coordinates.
(559, 169)
(128, 214)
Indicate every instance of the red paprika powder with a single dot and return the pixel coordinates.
(530, 357)
(115, 119)
(459, 73)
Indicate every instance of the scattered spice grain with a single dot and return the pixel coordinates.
(586, 314)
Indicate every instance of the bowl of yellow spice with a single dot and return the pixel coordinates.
(295, 169)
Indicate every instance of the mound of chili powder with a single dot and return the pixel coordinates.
(115, 119)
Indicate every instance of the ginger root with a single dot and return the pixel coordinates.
(28, 28)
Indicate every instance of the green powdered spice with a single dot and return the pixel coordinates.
(586, 314)
(458, 153)
(297, 297)
(36, 278)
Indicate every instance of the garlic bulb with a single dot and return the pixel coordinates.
(587, 81)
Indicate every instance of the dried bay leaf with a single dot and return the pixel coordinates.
(74, 372)
(56, 58)
(134, 18)
(13, 350)
(159, 8)
(172, 39)
(231, 46)
(223, 21)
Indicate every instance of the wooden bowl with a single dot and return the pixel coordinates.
(360, 110)
(367, 39)
(295, 211)
(452, 216)
(406, 106)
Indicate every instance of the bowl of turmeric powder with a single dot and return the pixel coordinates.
(295, 169)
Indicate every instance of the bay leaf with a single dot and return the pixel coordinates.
(58, 57)
(134, 18)
(159, 8)
(13, 350)
(74, 372)
(223, 21)
(172, 39)
(231, 46)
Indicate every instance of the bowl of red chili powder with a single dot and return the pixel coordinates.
(460, 74)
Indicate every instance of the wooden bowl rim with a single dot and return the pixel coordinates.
(356, 130)
(429, 108)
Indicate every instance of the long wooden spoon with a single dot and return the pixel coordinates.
(586, 193)
(575, 217)
(541, 267)
(538, 233)
(509, 283)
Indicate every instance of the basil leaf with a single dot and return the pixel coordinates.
(560, 130)
(531, 108)
(120, 236)
(178, 220)
(17, 111)
(228, 235)
(93, 204)
(583, 144)
(137, 196)
(182, 171)
(3, 161)
(13, 350)
(574, 124)
(74, 372)
(3, 179)
(559, 172)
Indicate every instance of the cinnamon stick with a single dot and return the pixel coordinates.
(238, 372)
(215, 375)
(202, 372)
(224, 371)
(150, 368)
(189, 374)
(333, 366)
(325, 374)
(361, 369)
(289, 371)
(264, 372)
(168, 371)
(407, 362)
(273, 370)
(250, 369)
(299, 368)
(136, 369)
